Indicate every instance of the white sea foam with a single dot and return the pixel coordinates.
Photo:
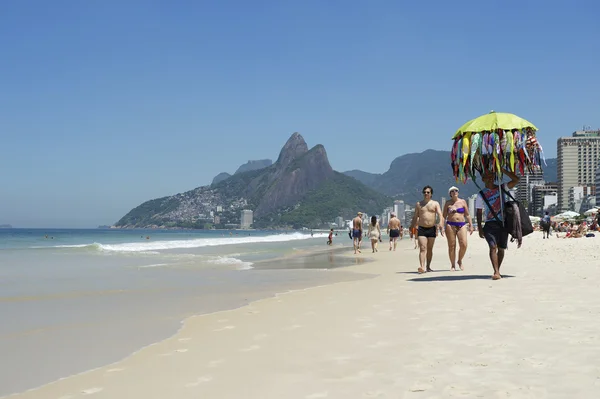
(224, 260)
(148, 247)
(153, 265)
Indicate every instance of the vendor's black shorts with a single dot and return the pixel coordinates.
(495, 234)
(429, 232)
(394, 233)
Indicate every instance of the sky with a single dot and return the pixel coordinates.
(107, 104)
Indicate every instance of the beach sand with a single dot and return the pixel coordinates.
(533, 334)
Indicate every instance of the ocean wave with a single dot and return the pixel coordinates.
(224, 260)
(152, 246)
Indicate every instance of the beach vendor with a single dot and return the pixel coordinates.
(489, 206)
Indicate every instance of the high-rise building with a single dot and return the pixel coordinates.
(339, 222)
(471, 205)
(598, 184)
(443, 202)
(579, 198)
(543, 196)
(524, 188)
(577, 159)
(399, 209)
(246, 219)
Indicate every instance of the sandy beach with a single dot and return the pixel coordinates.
(533, 334)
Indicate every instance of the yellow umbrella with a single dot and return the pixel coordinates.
(492, 121)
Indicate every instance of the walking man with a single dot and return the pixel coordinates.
(394, 230)
(357, 232)
(425, 215)
(491, 201)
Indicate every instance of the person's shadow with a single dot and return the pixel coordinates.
(457, 277)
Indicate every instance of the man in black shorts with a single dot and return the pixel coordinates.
(394, 230)
(491, 200)
(425, 215)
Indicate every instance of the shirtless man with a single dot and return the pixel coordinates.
(357, 232)
(425, 213)
(393, 230)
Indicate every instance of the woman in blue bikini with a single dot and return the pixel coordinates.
(457, 217)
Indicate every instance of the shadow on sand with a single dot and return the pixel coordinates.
(458, 277)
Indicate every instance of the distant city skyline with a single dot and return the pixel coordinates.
(101, 110)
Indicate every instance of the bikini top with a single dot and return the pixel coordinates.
(457, 210)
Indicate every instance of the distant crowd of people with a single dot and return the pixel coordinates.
(453, 221)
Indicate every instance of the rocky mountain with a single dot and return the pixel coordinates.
(247, 167)
(410, 172)
(299, 190)
(254, 165)
(220, 177)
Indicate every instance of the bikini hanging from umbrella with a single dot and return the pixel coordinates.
(494, 142)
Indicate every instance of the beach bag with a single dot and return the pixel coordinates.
(516, 217)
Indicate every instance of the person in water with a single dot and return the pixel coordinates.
(374, 233)
(357, 232)
(458, 221)
(426, 212)
(330, 238)
(394, 230)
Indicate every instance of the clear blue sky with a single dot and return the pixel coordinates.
(106, 104)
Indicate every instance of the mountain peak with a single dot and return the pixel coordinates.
(293, 148)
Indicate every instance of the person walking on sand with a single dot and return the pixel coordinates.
(374, 233)
(330, 237)
(545, 225)
(425, 214)
(458, 221)
(357, 232)
(394, 230)
(491, 201)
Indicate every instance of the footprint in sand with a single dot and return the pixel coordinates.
(358, 335)
(91, 391)
(115, 370)
(184, 339)
(369, 325)
(373, 394)
(380, 344)
(260, 336)
(183, 350)
(215, 363)
(250, 348)
(200, 380)
(66, 397)
(222, 320)
(225, 328)
(292, 327)
(252, 312)
(317, 395)
(310, 313)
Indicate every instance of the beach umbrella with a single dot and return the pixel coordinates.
(534, 219)
(590, 212)
(569, 215)
(493, 121)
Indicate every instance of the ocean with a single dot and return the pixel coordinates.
(73, 300)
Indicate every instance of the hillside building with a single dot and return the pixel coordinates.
(246, 219)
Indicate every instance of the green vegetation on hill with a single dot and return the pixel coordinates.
(339, 196)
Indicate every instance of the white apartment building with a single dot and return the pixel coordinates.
(399, 209)
(597, 183)
(577, 160)
(246, 219)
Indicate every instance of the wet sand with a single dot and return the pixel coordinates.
(533, 334)
(58, 333)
